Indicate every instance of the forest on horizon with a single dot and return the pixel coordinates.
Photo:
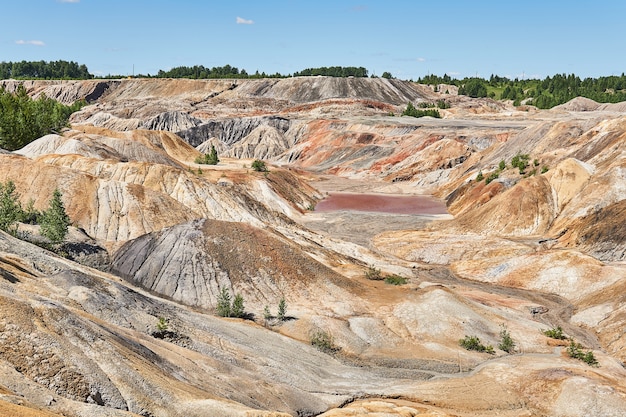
(544, 94)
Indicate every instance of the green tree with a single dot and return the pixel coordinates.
(282, 309)
(507, 343)
(10, 208)
(237, 309)
(387, 75)
(474, 87)
(223, 303)
(55, 221)
(210, 158)
(22, 119)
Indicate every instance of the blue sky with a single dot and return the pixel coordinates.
(409, 38)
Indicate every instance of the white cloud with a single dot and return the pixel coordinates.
(242, 21)
(421, 59)
(68, 1)
(36, 43)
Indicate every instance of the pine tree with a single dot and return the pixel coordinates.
(55, 221)
(212, 158)
(10, 208)
(223, 303)
(282, 309)
(237, 309)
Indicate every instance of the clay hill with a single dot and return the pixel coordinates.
(157, 238)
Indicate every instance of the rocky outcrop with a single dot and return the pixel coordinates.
(173, 121)
(192, 262)
(231, 131)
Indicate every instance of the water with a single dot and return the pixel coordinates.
(382, 203)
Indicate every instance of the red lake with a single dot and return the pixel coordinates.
(383, 203)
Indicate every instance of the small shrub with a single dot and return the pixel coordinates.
(494, 175)
(536, 162)
(266, 314)
(259, 166)
(502, 165)
(575, 350)
(413, 112)
(473, 343)
(162, 325)
(544, 169)
(373, 274)
(323, 341)
(442, 104)
(210, 158)
(394, 279)
(507, 343)
(555, 333)
(480, 176)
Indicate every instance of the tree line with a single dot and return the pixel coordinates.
(543, 93)
(546, 93)
(54, 70)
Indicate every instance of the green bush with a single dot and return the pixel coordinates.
(555, 333)
(210, 158)
(323, 341)
(502, 165)
(480, 176)
(259, 166)
(494, 175)
(395, 280)
(575, 350)
(413, 112)
(473, 343)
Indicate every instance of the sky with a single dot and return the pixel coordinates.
(408, 38)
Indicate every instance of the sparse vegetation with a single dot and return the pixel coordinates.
(507, 343)
(373, 273)
(575, 350)
(544, 169)
(162, 325)
(229, 307)
(259, 166)
(413, 112)
(210, 158)
(494, 175)
(473, 343)
(323, 341)
(555, 333)
(520, 161)
(394, 279)
(502, 165)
